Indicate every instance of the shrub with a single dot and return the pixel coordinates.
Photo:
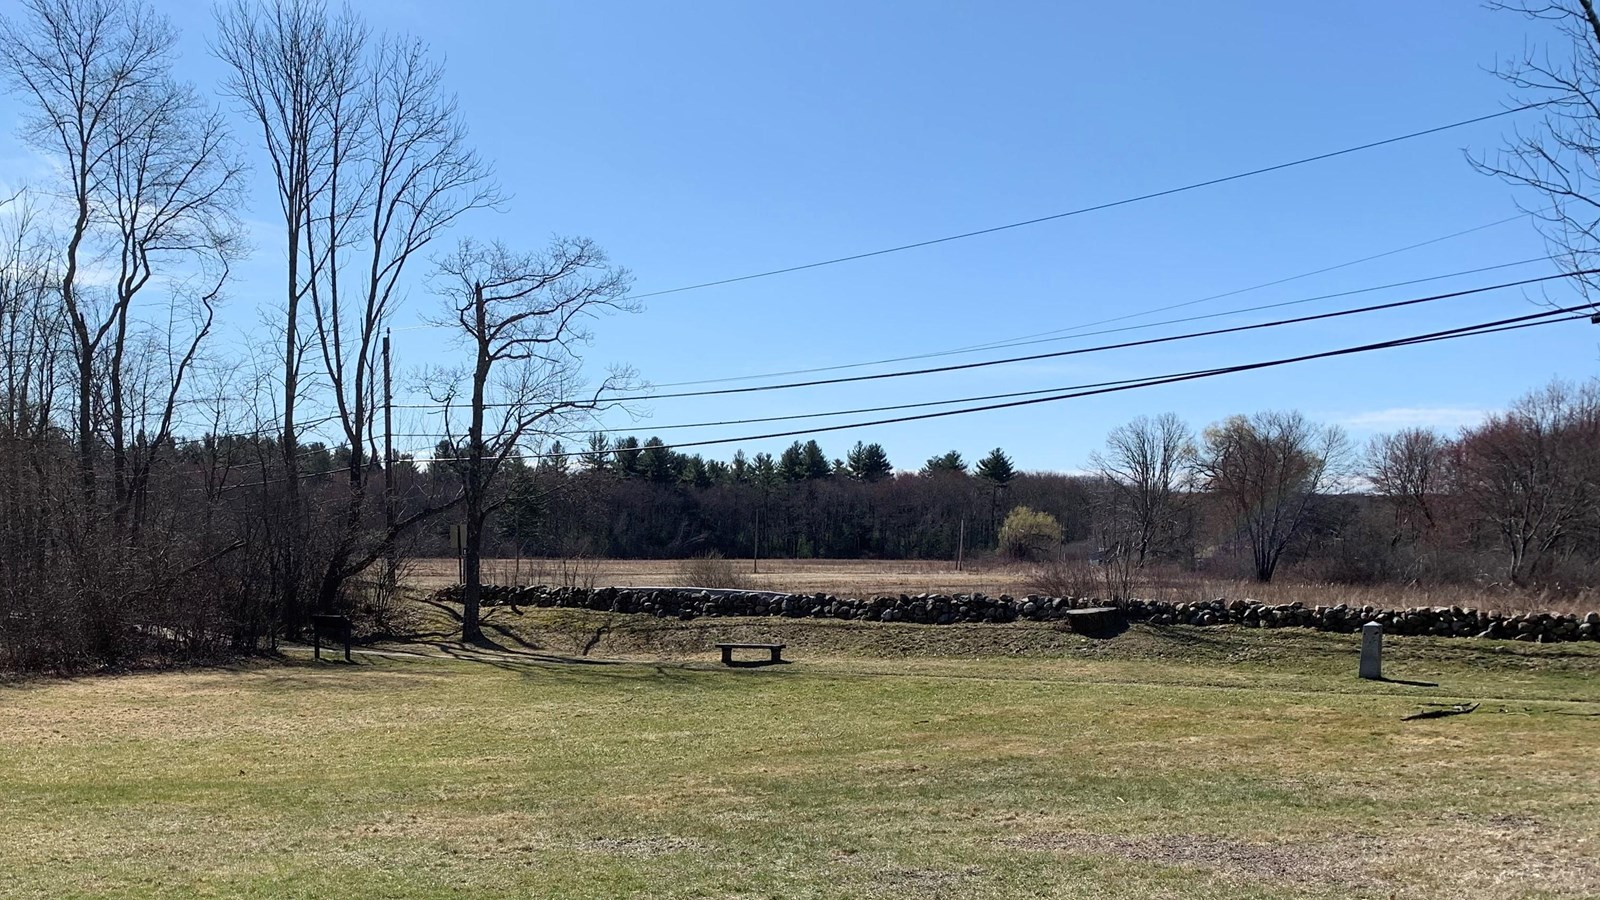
(712, 570)
(1028, 533)
(1064, 578)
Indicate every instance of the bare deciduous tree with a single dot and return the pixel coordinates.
(1408, 469)
(109, 309)
(1269, 468)
(1533, 473)
(524, 318)
(1560, 160)
(294, 69)
(174, 185)
(33, 342)
(150, 181)
(1147, 471)
(372, 165)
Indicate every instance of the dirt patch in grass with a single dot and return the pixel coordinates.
(1488, 856)
(922, 882)
(641, 846)
(1503, 854)
(1334, 863)
(927, 882)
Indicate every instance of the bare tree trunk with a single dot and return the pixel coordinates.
(520, 311)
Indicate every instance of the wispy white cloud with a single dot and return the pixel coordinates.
(1446, 418)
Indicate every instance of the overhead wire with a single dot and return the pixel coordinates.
(1493, 327)
(1106, 386)
(840, 412)
(1029, 338)
(1283, 303)
(975, 399)
(1077, 351)
(1501, 325)
(1167, 192)
(1034, 337)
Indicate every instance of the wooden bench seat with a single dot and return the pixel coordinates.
(727, 651)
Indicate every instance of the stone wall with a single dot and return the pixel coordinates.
(932, 609)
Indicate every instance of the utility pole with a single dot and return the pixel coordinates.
(755, 546)
(473, 482)
(391, 558)
(961, 543)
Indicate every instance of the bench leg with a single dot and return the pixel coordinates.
(777, 654)
(727, 656)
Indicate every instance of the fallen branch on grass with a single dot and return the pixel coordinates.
(1460, 709)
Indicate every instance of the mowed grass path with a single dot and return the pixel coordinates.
(1163, 763)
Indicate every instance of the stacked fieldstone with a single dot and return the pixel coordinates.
(944, 609)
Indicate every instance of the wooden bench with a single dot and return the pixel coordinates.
(727, 651)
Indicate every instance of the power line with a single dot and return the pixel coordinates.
(1236, 329)
(1280, 304)
(1494, 327)
(900, 406)
(1134, 315)
(1483, 328)
(1043, 337)
(839, 412)
(1099, 206)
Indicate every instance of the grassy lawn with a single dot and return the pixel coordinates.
(888, 761)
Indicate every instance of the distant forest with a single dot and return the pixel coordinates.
(1514, 500)
(643, 500)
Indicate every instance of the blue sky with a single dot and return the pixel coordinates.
(705, 140)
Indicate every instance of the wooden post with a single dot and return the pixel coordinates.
(391, 558)
(961, 543)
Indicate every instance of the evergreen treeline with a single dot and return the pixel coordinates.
(633, 499)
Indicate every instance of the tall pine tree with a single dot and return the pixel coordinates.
(996, 468)
(946, 464)
(869, 462)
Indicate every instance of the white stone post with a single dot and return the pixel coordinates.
(1372, 651)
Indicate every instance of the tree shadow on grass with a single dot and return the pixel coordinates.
(755, 663)
(1102, 631)
(444, 608)
(505, 634)
(553, 665)
(1426, 684)
(516, 647)
(1193, 636)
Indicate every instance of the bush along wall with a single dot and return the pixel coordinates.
(942, 609)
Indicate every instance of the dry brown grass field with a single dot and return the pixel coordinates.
(868, 577)
(794, 575)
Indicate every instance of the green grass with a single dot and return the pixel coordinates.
(888, 761)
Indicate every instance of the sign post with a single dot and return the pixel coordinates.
(458, 543)
(1372, 651)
